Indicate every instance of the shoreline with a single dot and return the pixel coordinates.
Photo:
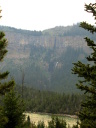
(50, 114)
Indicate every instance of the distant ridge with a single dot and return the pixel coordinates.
(56, 31)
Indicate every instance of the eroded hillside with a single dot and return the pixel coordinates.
(45, 57)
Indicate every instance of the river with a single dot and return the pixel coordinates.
(36, 117)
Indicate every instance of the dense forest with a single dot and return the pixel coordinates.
(50, 102)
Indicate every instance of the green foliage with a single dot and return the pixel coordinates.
(57, 123)
(87, 72)
(33, 125)
(28, 124)
(54, 123)
(28, 120)
(50, 102)
(40, 125)
(76, 126)
(13, 110)
(27, 32)
(45, 70)
(3, 118)
(66, 31)
(4, 86)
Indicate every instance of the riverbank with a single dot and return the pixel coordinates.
(46, 117)
(71, 116)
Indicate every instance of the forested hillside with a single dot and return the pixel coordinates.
(43, 59)
(50, 102)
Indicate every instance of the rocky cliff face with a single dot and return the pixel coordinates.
(45, 57)
(19, 44)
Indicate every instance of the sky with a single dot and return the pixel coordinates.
(43, 14)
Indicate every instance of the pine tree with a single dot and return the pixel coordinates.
(87, 73)
(4, 86)
(13, 110)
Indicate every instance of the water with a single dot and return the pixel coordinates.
(35, 117)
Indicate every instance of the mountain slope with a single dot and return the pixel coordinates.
(45, 57)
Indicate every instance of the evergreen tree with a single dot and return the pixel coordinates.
(57, 123)
(87, 74)
(40, 125)
(4, 86)
(13, 110)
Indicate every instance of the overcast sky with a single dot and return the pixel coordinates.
(43, 14)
